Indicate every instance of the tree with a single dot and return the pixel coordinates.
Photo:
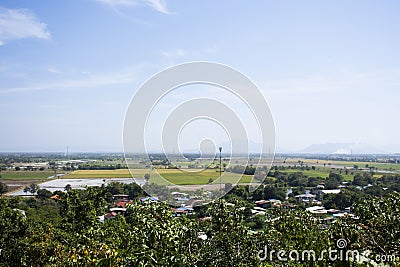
(274, 193)
(3, 188)
(80, 208)
(14, 229)
(133, 190)
(379, 226)
(67, 187)
(228, 187)
(333, 180)
(359, 180)
(33, 188)
(147, 176)
(340, 201)
(26, 189)
(44, 194)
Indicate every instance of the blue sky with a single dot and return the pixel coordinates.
(68, 69)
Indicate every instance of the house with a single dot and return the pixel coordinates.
(268, 203)
(182, 211)
(179, 195)
(258, 211)
(317, 210)
(181, 199)
(149, 199)
(118, 210)
(330, 191)
(262, 203)
(120, 197)
(333, 211)
(308, 198)
(122, 203)
(56, 197)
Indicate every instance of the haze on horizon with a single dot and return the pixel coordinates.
(68, 69)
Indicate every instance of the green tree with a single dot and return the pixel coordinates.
(44, 194)
(80, 208)
(333, 180)
(14, 229)
(378, 224)
(33, 188)
(133, 190)
(67, 187)
(3, 188)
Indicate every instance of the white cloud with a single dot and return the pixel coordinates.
(90, 81)
(54, 70)
(173, 53)
(158, 5)
(119, 2)
(19, 24)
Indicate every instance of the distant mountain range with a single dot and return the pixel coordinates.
(327, 148)
(342, 148)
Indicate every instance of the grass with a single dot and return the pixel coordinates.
(25, 175)
(179, 177)
(175, 176)
(193, 177)
(120, 173)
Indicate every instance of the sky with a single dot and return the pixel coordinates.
(330, 70)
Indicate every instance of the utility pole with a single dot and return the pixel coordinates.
(220, 169)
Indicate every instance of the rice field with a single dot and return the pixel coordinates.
(175, 176)
(25, 175)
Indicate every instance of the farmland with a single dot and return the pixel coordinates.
(119, 173)
(340, 163)
(174, 176)
(25, 175)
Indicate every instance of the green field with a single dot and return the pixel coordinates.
(197, 178)
(120, 173)
(26, 175)
(175, 176)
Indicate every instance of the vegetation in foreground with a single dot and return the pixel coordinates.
(68, 232)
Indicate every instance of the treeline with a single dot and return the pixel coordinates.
(101, 167)
(247, 170)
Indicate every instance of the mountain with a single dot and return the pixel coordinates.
(342, 148)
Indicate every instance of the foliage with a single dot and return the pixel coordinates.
(80, 208)
(379, 223)
(44, 194)
(68, 232)
(3, 188)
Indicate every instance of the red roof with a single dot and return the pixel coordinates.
(122, 203)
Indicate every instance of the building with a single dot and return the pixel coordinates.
(307, 198)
